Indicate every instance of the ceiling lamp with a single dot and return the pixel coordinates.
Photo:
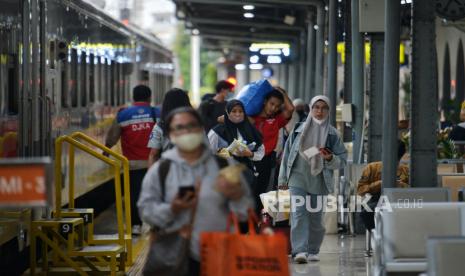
(248, 15)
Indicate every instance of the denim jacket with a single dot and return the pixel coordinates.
(291, 151)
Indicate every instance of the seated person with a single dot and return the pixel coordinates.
(370, 183)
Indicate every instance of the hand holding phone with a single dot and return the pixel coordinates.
(326, 153)
(185, 199)
(184, 190)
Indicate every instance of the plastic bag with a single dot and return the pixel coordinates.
(253, 95)
(277, 204)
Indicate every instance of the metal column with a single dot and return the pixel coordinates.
(195, 69)
(424, 103)
(310, 65)
(35, 89)
(302, 63)
(391, 93)
(332, 60)
(357, 83)
(247, 68)
(286, 76)
(319, 56)
(292, 79)
(347, 65)
(24, 106)
(375, 94)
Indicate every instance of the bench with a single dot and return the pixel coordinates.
(445, 256)
(399, 239)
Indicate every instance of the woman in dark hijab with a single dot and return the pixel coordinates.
(237, 127)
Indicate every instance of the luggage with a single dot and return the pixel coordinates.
(253, 95)
(233, 254)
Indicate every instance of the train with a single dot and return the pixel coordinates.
(67, 66)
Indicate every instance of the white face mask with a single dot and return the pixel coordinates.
(188, 141)
(318, 121)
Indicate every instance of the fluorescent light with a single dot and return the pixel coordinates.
(254, 59)
(253, 48)
(248, 7)
(249, 15)
(273, 59)
(239, 67)
(195, 32)
(270, 52)
(256, 66)
(286, 52)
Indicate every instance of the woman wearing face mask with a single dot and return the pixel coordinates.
(237, 126)
(191, 164)
(312, 151)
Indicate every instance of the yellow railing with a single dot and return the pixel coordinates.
(115, 164)
(125, 166)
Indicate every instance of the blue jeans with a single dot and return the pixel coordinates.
(307, 229)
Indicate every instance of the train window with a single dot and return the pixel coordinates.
(13, 97)
(113, 82)
(73, 77)
(91, 79)
(83, 78)
(106, 89)
(64, 88)
(118, 84)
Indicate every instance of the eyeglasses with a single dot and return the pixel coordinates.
(322, 108)
(187, 127)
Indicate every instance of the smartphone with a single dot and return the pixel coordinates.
(327, 150)
(183, 190)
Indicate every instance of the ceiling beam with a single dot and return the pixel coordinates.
(245, 39)
(234, 34)
(248, 23)
(223, 2)
(266, 3)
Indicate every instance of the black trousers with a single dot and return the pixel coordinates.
(264, 169)
(367, 216)
(135, 178)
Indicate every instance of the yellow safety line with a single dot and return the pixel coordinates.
(138, 247)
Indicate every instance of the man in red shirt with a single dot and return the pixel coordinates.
(269, 121)
(134, 125)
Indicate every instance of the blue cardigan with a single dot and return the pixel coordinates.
(291, 151)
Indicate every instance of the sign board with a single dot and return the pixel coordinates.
(25, 182)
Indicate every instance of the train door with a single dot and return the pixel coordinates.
(9, 82)
(34, 111)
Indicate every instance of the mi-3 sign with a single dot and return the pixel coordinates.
(25, 182)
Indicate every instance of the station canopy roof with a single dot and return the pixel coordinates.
(236, 24)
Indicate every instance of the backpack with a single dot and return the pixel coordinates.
(164, 168)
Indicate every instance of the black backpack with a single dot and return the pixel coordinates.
(164, 168)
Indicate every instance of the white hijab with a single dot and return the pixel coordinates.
(314, 134)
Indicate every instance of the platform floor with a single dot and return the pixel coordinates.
(340, 255)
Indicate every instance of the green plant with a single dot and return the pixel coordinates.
(446, 148)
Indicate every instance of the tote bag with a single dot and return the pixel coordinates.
(234, 254)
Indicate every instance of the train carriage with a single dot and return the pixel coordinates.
(67, 66)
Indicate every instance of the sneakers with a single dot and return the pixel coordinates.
(136, 229)
(301, 258)
(313, 258)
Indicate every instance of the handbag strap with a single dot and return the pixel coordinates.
(251, 218)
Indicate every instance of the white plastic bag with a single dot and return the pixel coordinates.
(277, 204)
